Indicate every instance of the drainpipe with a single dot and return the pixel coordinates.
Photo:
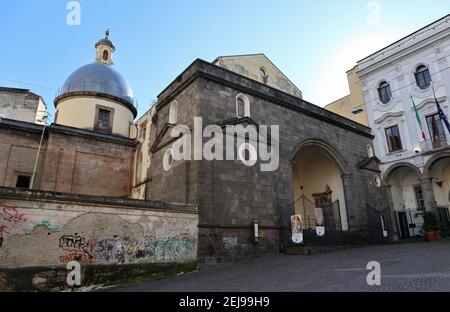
(33, 177)
(133, 165)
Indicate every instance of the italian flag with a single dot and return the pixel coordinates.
(418, 119)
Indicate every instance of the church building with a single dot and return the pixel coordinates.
(325, 161)
(95, 148)
(88, 149)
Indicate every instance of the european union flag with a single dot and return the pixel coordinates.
(442, 115)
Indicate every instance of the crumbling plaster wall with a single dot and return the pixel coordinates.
(45, 233)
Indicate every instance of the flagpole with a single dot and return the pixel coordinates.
(441, 113)
(416, 112)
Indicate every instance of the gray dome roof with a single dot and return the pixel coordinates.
(99, 79)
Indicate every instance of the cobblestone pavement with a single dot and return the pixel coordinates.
(404, 267)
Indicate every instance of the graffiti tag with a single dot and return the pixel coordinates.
(11, 214)
(74, 243)
(230, 242)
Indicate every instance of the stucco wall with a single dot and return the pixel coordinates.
(397, 65)
(313, 171)
(18, 150)
(142, 158)
(249, 66)
(21, 105)
(47, 229)
(80, 112)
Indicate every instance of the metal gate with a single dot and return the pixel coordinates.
(409, 223)
(444, 217)
(331, 214)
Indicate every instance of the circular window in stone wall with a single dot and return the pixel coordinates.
(168, 159)
(377, 180)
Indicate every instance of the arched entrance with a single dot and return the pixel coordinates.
(317, 183)
(438, 170)
(407, 198)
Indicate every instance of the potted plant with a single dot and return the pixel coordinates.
(430, 226)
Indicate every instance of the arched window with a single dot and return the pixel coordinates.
(105, 55)
(173, 112)
(384, 92)
(242, 106)
(370, 151)
(423, 77)
(263, 75)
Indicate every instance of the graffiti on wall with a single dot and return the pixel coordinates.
(90, 238)
(79, 249)
(10, 219)
(75, 243)
(230, 242)
(270, 236)
(46, 224)
(12, 215)
(109, 250)
(127, 249)
(3, 230)
(173, 249)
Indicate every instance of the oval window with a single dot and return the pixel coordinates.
(384, 92)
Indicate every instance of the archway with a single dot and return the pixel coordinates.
(407, 198)
(438, 170)
(317, 183)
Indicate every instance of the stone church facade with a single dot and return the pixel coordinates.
(231, 196)
(95, 148)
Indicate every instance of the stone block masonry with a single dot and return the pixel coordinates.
(230, 195)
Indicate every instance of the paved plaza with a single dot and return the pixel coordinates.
(404, 267)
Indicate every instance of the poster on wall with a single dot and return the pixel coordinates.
(383, 226)
(297, 229)
(320, 225)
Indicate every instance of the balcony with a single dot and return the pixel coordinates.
(437, 144)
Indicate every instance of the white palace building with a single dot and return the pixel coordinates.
(414, 156)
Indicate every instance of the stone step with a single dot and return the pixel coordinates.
(310, 250)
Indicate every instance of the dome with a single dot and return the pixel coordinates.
(99, 79)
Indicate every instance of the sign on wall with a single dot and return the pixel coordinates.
(297, 229)
(383, 226)
(320, 225)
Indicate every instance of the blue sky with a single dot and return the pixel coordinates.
(313, 42)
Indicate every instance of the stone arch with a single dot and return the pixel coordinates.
(428, 166)
(245, 101)
(396, 166)
(320, 180)
(328, 148)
